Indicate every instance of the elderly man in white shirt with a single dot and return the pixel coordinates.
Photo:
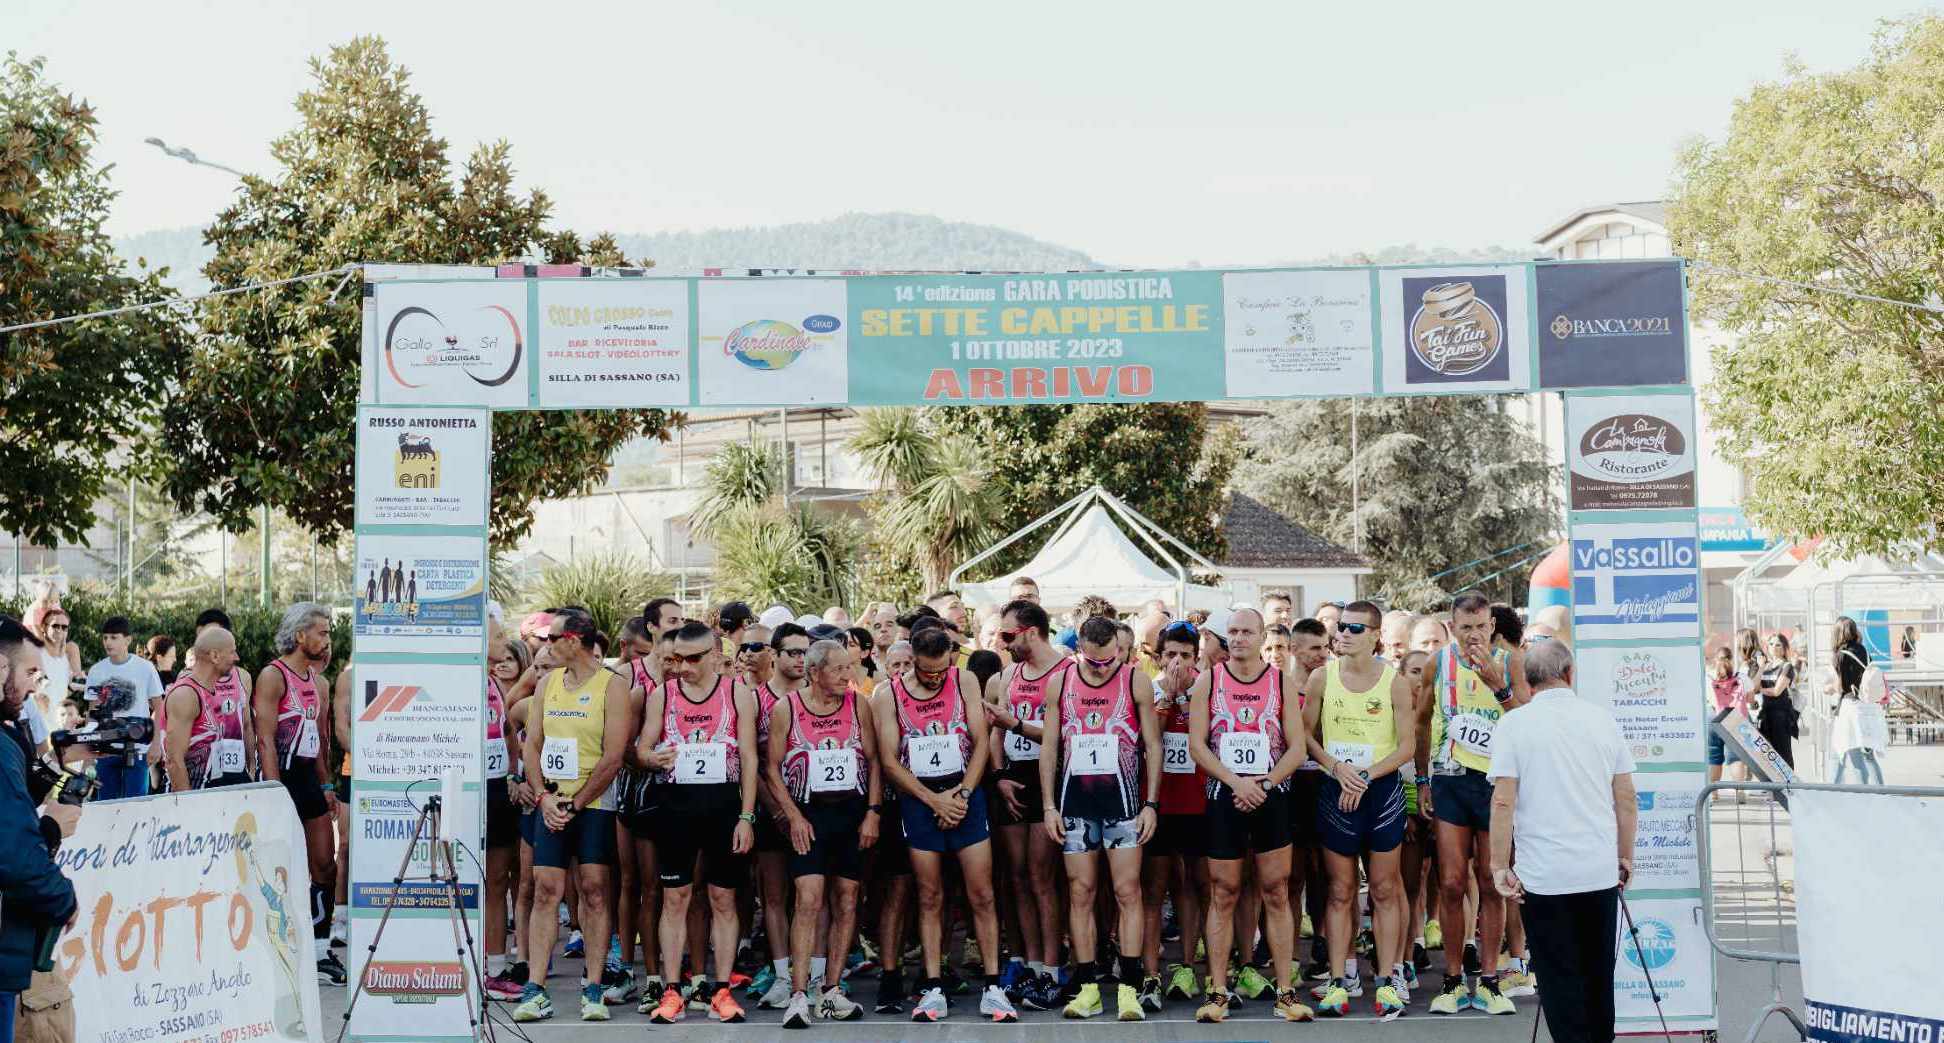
(1563, 792)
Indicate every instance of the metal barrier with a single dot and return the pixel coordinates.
(1762, 904)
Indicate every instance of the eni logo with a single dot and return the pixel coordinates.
(1454, 332)
(416, 464)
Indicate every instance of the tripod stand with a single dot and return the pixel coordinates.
(441, 868)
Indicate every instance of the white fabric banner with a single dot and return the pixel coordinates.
(194, 919)
(1673, 950)
(1855, 908)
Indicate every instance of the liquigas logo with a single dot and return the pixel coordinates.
(1455, 332)
(772, 344)
(1633, 447)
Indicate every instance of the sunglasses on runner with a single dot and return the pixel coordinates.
(692, 660)
(1099, 664)
(930, 677)
(1353, 629)
(752, 647)
(1009, 636)
(797, 652)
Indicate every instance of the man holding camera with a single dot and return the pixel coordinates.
(36, 901)
(119, 778)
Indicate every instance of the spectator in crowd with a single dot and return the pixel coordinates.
(162, 653)
(1024, 588)
(61, 674)
(1563, 798)
(1776, 683)
(1727, 696)
(1859, 736)
(119, 779)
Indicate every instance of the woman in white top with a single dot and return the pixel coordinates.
(61, 671)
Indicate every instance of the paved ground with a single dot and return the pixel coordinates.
(1753, 855)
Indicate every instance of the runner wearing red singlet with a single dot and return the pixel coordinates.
(203, 739)
(1244, 716)
(293, 729)
(779, 671)
(1016, 702)
(1175, 858)
(940, 736)
(1107, 750)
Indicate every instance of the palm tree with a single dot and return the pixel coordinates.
(935, 503)
(739, 476)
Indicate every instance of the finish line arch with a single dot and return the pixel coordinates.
(446, 346)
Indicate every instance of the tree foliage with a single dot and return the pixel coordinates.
(935, 506)
(265, 408)
(1836, 404)
(1162, 458)
(1442, 481)
(74, 398)
(797, 556)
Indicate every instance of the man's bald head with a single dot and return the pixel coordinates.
(215, 639)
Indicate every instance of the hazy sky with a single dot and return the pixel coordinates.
(1141, 133)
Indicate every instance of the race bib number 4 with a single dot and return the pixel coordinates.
(1093, 755)
(701, 762)
(560, 759)
(934, 756)
(1174, 754)
(229, 756)
(496, 758)
(1471, 732)
(833, 771)
(1246, 753)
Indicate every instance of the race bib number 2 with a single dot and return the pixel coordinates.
(699, 763)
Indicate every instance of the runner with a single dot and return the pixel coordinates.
(700, 738)
(1238, 735)
(1473, 686)
(941, 739)
(574, 747)
(1175, 860)
(204, 740)
(287, 692)
(1357, 719)
(625, 883)
(822, 760)
(1278, 610)
(1024, 588)
(341, 738)
(1309, 649)
(1108, 752)
(789, 644)
(502, 823)
(1016, 700)
(641, 803)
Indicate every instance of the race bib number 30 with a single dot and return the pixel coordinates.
(1246, 753)
(934, 756)
(1174, 754)
(560, 758)
(1093, 755)
(701, 762)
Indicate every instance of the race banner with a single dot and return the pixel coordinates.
(1629, 452)
(1851, 908)
(194, 919)
(1636, 580)
(419, 594)
(764, 337)
(422, 466)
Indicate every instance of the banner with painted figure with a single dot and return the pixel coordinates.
(194, 919)
(422, 594)
(799, 338)
(1852, 910)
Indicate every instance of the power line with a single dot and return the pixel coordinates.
(346, 270)
(1852, 294)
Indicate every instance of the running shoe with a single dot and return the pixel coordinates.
(1410, 976)
(739, 980)
(994, 1004)
(838, 1006)
(1215, 1011)
(1086, 1003)
(1387, 1001)
(1308, 928)
(1151, 993)
(1290, 1006)
(1419, 957)
(1250, 984)
(1335, 1001)
(1127, 1002)
(1472, 967)
(340, 930)
(931, 1006)
(776, 995)
(1317, 970)
(518, 972)
(1181, 983)
(796, 1014)
(330, 970)
(576, 945)
(1453, 998)
(890, 993)
(761, 983)
(535, 1004)
(651, 994)
(1516, 984)
(1352, 987)
(697, 991)
(1489, 999)
(503, 988)
(1041, 993)
(1398, 982)
(593, 1001)
(1433, 935)
(618, 986)
(1011, 973)
(724, 1007)
(671, 1009)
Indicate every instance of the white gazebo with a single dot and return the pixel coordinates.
(1091, 553)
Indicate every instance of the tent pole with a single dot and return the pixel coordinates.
(952, 580)
(1166, 535)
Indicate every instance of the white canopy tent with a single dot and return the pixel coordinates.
(1090, 553)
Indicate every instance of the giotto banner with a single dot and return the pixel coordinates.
(1629, 451)
(194, 921)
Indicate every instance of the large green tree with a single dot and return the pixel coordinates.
(1834, 403)
(1161, 458)
(934, 507)
(264, 409)
(1437, 482)
(75, 398)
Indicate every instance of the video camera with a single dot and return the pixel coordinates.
(111, 733)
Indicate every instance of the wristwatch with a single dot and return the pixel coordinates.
(1153, 805)
(875, 809)
(748, 816)
(961, 793)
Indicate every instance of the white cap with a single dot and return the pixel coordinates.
(774, 616)
(1218, 621)
(806, 621)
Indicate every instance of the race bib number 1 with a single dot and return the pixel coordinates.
(1093, 755)
(1246, 753)
(1174, 754)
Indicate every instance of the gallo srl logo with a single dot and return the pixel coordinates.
(483, 343)
(1633, 448)
(1455, 331)
(1656, 945)
(769, 344)
(416, 464)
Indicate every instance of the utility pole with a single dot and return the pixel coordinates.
(263, 567)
